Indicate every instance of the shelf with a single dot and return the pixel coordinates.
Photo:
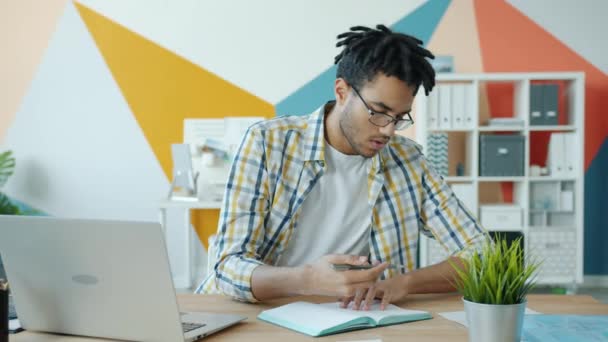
(502, 179)
(508, 76)
(507, 230)
(555, 191)
(560, 128)
(555, 280)
(501, 128)
(552, 211)
(439, 130)
(551, 179)
(547, 227)
(458, 179)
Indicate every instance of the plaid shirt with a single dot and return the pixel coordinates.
(280, 161)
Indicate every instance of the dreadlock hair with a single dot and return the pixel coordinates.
(369, 51)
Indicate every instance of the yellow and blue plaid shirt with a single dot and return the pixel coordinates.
(280, 160)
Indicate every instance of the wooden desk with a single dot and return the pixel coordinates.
(436, 329)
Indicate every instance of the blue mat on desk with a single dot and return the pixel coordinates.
(565, 328)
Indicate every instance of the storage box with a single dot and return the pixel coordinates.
(556, 247)
(501, 155)
(566, 200)
(501, 217)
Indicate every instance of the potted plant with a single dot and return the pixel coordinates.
(494, 284)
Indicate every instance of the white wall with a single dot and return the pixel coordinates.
(269, 48)
(80, 151)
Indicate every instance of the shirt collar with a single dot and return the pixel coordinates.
(315, 139)
(315, 134)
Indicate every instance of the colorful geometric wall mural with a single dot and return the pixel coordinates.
(110, 93)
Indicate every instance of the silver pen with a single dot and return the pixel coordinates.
(347, 267)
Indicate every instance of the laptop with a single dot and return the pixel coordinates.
(97, 278)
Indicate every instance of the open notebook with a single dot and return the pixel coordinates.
(328, 318)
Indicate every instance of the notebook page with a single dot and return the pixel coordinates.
(312, 316)
(374, 311)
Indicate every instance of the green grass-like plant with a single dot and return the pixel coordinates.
(499, 274)
(7, 167)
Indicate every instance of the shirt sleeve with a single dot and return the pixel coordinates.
(241, 226)
(446, 218)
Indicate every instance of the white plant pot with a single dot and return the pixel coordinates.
(497, 323)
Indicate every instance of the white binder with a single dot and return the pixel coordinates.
(570, 155)
(458, 105)
(433, 109)
(468, 106)
(556, 155)
(445, 106)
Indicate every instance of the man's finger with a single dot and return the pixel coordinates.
(346, 259)
(386, 300)
(364, 285)
(369, 298)
(345, 301)
(361, 293)
(357, 276)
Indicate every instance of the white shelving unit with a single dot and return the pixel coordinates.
(550, 233)
(187, 258)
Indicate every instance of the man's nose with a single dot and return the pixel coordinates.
(388, 130)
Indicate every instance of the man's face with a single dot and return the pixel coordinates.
(387, 95)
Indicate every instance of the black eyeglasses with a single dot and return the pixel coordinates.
(383, 119)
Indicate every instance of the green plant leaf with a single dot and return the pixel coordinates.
(499, 274)
(7, 207)
(7, 166)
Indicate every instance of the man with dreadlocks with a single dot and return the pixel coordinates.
(339, 187)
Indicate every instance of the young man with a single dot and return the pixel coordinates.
(339, 187)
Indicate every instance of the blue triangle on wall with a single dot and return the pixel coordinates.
(596, 218)
(420, 23)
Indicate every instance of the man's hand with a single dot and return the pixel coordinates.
(438, 278)
(390, 290)
(322, 279)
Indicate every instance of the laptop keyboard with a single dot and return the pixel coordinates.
(191, 326)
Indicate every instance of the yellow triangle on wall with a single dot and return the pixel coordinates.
(162, 89)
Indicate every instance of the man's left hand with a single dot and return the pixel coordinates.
(389, 291)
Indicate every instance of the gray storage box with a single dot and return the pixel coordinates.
(501, 155)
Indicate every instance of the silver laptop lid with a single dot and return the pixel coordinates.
(89, 277)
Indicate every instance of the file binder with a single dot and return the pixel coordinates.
(569, 140)
(555, 157)
(433, 110)
(536, 104)
(550, 98)
(445, 106)
(458, 105)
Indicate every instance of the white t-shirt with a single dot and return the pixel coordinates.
(335, 217)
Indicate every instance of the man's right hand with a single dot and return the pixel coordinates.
(322, 279)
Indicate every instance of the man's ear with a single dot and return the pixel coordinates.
(341, 89)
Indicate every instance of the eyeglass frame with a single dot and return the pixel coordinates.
(409, 122)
